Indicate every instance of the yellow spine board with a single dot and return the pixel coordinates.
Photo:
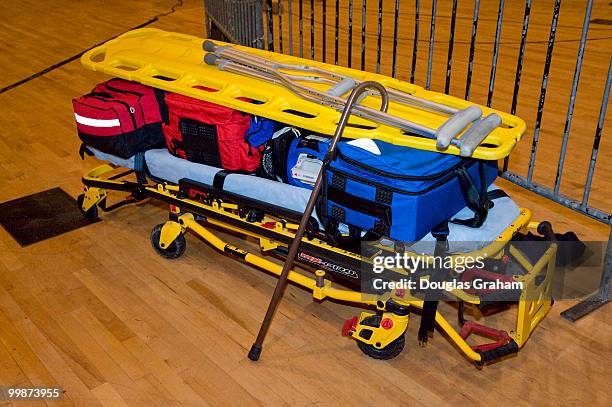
(174, 62)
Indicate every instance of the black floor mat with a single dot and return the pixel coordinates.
(41, 216)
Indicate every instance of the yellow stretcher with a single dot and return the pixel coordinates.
(175, 62)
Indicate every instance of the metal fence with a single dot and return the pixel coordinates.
(419, 40)
(237, 21)
(319, 25)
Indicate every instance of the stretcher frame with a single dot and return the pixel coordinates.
(274, 233)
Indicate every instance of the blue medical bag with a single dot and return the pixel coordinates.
(401, 192)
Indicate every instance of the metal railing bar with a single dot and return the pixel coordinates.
(290, 17)
(280, 26)
(596, 141)
(336, 32)
(301, 15)
(558, 198)
(432, 32)
(417, 6)
(500, 16)
(519, 68)
(363, 32)
(468, 82)
(538, 123)
(572, 101)
(451, 44)
(324, 30)
(270, 25)
(379, 42)
(312, 30)
(350, 35)
(395, 34)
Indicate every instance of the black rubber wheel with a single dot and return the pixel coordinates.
(91, 213)
(388, 352)
(176, 248)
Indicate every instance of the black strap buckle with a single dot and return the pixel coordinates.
(83, 149)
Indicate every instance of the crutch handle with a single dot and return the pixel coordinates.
(477, 133)
(209, 46)
(342, 87)
(453, 126)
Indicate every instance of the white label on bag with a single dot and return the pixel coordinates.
(367, 144)
(87, 121)
(306, 169)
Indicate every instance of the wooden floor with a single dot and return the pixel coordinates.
(96, 312)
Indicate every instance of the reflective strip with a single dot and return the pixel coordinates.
(96, 122)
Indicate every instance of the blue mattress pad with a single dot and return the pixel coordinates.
(162, 165)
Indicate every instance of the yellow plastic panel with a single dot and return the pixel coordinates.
(174, 62)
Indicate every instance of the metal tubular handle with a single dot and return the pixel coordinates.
(352, 101)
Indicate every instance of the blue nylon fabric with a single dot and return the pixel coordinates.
(412, 216)
(260, 131)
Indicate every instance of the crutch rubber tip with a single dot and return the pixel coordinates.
(254, 353)
(209, 46)
(210, 59)
(546, 230)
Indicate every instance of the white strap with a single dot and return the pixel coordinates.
(87, 121)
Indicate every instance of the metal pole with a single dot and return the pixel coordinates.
(500, 16)
(451, 44)
(259, 31)
(336, 32)
(600, 124)
(417, 6)
(280, 26)
(270, 25)
(256, 349)
(395, 34)
(570, 108)
(350, 35)
(432, 31)
(363, 32)
(379, 42)
(324, 32)
(312, 34)
(290, 27)
(468, 82)
(301, 17)
(519, 69)
(538, 123)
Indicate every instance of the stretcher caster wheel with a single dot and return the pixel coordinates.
(174, 249)
(388, 352)
(91, 214)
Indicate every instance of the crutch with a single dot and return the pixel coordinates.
(351, 103)
(231, 59)
(341, 84)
